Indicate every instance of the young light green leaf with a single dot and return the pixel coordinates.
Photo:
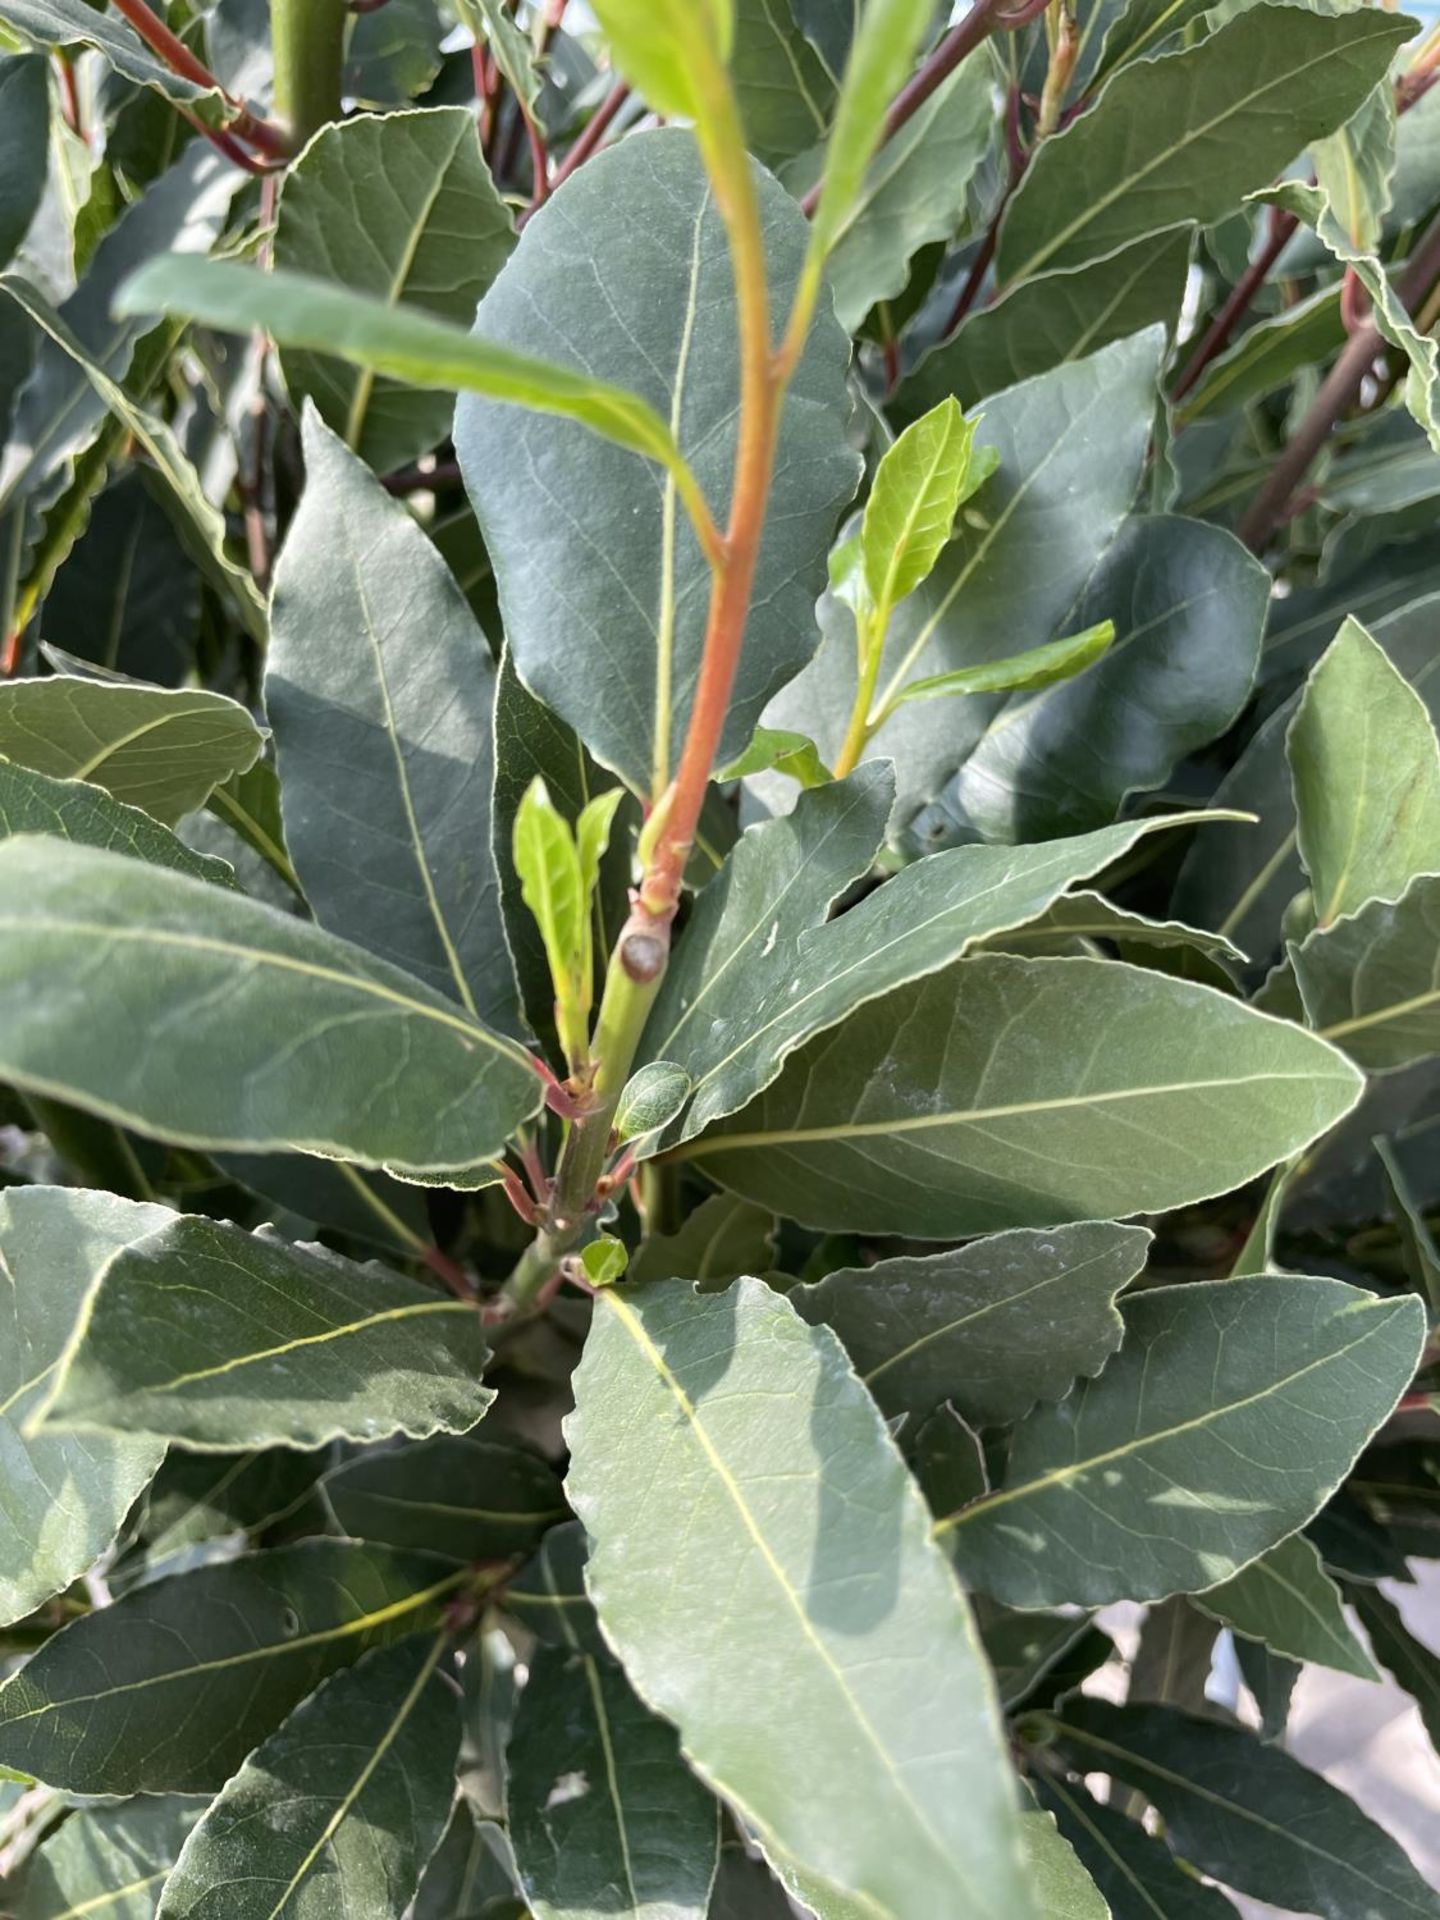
(1181, 137)
(433, 234)
(108, 1861)
(779, 750)
(271, 1344)
(464, 1499)
(916, 494)
(301, 310)
(1096, 1504)
(664, 47)
(376, 664)
(323, 1048)
(548, 863)
(170, 1688)
(837, 1736)
(161, 749)
(65, 1495)
(604, 1260)
(1371, 983)
(991, 1328)
(1247, 1813)
(352, 1793)
(916, 1114)
(1366, 766)
(1024, 672)
(604, 1814)
(1287, 1600)
(74, 810)
(592, 838)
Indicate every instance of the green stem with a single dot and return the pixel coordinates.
(308, 41)
(857, 734)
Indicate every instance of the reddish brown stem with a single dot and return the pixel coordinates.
(601, 122)
(539, 164)
(1338, 392)
(418, 479)
(69, 93)
(980, 265)
(448, 1270)
(261, 134)
(1237, 304)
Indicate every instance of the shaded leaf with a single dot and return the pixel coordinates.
(1286, 1599)
(226, 1339)
(170, 1688)
(1136, 1873)
(381, 692)
(1366, 769)
(1175, 1468)
(399, 206)
(24, 115)
(604, 1815)
(1248, 1813)
(324, 1048)
(351, 1795)
(160, 749)
(717, 1241)
(550, 1597)
(51, 24)
(625, 275)
(463, 1499)
(785, 90)
(1371, 983)
(1183, 136)
(1413, 1665)
(62, 1496)
(128, 597)
(837, 1735)
(74, 810)
(110, 1861)
(1268, 354)
(959, 1105)
(992, 1327)
(1188, 606)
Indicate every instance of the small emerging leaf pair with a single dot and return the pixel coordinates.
(559, 869)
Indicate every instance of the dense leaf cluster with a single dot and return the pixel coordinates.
(693, 1055)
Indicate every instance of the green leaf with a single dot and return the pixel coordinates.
(1071, 445)
(661, 45)
(592, 838)
(269, 1344)
(547, 861)
(468, 1877)
(463, 1499)
(491, 25)
(1249, 1814)
(64, 1496)
(1060, 1881)
(1366, 767)
(107, 1861)
(351, 1794)
(549, 1594)
(532, 742)
(1183, 136)
(249, 804)
(1418, 1249)
(651, 1099)
(718, 1241)
(66, 24)
(302, 310)
(781, 751)
(24, 116)
(760, 968)
(324, 1049)
(1051, 320)
(961, 1104)
(1371, 983)
(1136, 1873)
(1288, 1601)
(913, 193)
(991, 1328)
(1269, 353)
(1355, 166)
(1234, 1408)
(604, 1815)
(625, 275)
(401, 207)
(376, 665)
(1188, 604)
(859, 1734)
(1089, 916)
(888, 35)
(914, 498)
(1041, 666)
(785, 90)
(1412, 1664)
(161, 749)
(171, 1687)
(128, 596)
(604, 1260)
(74, 810)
